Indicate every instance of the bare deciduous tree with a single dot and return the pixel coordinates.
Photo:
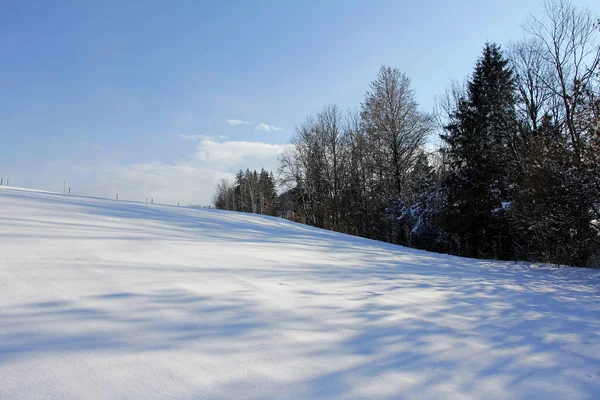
(393, 120)
(567, 41)
(531, 73)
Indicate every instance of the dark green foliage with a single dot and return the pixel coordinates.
(553, 213)
(479, 141)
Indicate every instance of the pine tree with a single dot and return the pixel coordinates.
(479, 141)
(250, 192)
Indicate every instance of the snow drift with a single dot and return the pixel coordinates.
(114, 300)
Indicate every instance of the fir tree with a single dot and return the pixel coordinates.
(479, 143)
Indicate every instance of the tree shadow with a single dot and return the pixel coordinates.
(347, 318)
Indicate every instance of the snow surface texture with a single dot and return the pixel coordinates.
(103, 299)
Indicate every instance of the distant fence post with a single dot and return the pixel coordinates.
(117, 196)
(1, 181)
(69, 189)
(152, 200)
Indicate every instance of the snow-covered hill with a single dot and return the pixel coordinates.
(102, 299)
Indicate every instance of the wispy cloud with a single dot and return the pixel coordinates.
(268, 128)
(191, 137)
(259, 127)
(238, 122)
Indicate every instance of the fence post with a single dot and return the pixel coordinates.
(117, 196)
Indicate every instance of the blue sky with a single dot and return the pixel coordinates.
(163, 98)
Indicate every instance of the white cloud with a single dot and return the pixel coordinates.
(191, 181)
(268, 128)
(259, 127)
(233, 155)
(238, 122)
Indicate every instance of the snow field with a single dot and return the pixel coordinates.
(115, 300)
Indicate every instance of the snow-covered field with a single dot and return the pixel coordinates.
(102, 299)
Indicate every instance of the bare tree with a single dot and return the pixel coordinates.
(313, 164)
(329, 122)
(301, 168)
(567, 41)
(360, 188)
(531, 73)
(445, 105)
(396, 125)
(222, 198)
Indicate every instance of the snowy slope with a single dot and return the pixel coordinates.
(102, 299)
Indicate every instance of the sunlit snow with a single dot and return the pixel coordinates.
(104, 299)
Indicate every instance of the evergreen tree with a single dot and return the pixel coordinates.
(479, 141)
(250, 192)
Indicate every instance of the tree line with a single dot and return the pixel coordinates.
(517, 174)
(251, 192)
